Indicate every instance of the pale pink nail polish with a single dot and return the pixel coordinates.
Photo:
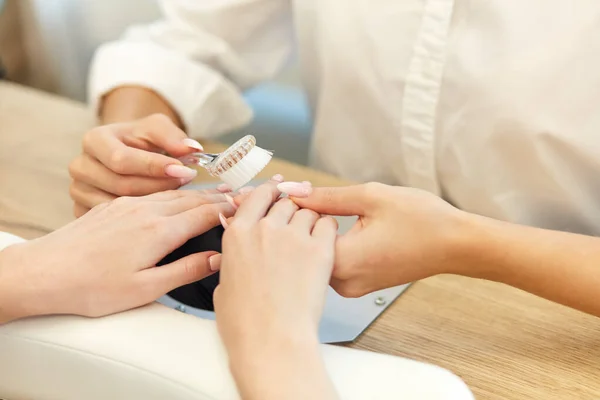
(295, 189)
(277, 178)
(179, 171)
(189, 142)
(185, 181)
(223, 221)
(214, 262)
(307, 183)
(224, 188)
(246, 190)
(230, 201)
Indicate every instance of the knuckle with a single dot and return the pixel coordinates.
(371, 190)
(117, 160)
(75, 167)
(124, 187)
(266, 225)
(157, 119)
(91, 136)
(348, 289)
(307, 213)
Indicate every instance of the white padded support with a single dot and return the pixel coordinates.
(156, 353)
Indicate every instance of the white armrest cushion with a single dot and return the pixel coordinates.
(157, 353)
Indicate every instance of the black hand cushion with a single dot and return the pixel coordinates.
(198, 294)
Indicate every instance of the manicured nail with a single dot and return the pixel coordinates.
(189, 142)
(246, 190)
(295, 189)
(277, 178)
(230, 201)
(179, 171)
(224, 188)
(307, 183)
(189, 160)
(215, 262)
(185, 181)
(223, 221)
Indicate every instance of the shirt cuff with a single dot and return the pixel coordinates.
(207, 103)
(6, 239)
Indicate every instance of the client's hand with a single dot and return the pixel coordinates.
(402, 234)
(275, 270)
(124, 160)
(105, 261)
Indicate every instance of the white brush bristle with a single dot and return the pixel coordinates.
(247, 168)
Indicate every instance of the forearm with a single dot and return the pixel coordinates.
(127, 103)
(562, 267)
(287, 371)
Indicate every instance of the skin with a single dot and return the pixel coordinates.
(270, 298)
(134, 152)
(106, 259)
(405, 234)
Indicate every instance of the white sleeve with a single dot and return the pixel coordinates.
(6, 239)
(199, 58)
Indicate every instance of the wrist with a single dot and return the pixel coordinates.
(478, 247)
(129, 103)
(266, 349)
(12, 299)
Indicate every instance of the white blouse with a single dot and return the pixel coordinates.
(7, 239)
(494, 104)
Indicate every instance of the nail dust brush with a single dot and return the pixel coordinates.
(237, 165)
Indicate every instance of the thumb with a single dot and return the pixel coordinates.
(346, 200)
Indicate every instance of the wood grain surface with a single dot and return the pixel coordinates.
(506, 344)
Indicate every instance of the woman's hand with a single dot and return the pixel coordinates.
(401, 235)
(124, 159)
(105, 261)
(275, 270)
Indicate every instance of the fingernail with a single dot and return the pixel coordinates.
(215, 262)
(189, 142)
(307, 183)
(179, 171)
(185, 181)
(189, 160)
(277, 178)
(230, 201)
(295, 189)
(223, 221)
(224, 188)
(246, 190)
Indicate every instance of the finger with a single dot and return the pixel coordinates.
(282, 211)
(173, 195)
(88, 196)
(348, 200)
(258, 203)
(196, 221)
(184, 271)
(106, 146)
(245, 192)
(161, 131)
(92, 172)
(79, 210)
(305, 219)
(192, 201)
(325, 229)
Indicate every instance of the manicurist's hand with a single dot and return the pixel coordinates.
(105, 261)
(275, 269)
(401, 235)
(126, 159)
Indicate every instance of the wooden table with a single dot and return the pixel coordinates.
(506, 344)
